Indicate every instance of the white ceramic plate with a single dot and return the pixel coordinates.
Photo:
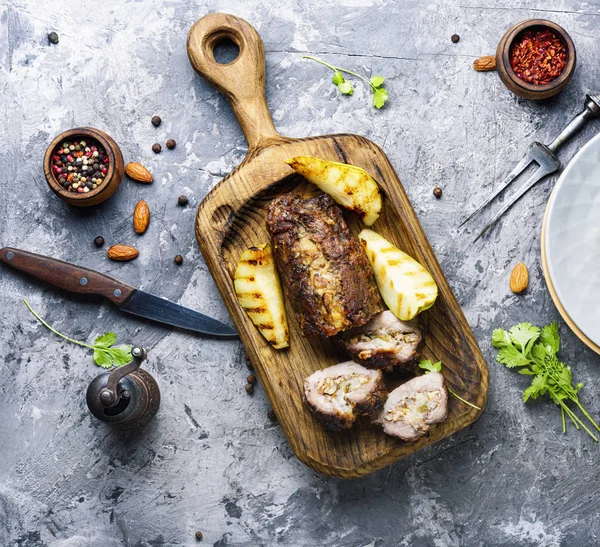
(571, 244)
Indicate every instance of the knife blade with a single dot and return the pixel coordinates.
(77, 279)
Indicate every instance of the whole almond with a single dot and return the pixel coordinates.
(141, 217)
(138, 172)
(485, 64)
(519, 278)
(122, 252)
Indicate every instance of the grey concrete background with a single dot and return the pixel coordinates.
(212, 460)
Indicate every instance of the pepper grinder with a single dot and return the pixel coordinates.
(128, 397)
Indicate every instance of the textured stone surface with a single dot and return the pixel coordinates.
(212, 460)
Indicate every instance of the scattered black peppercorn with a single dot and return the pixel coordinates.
(437, 192)
(198, 535)
(156, 148)
(156, 121)
(171, 143)
(99, 241)
(53, 38)
(271, 415)
(251, 379)
(178, 260)
(248, 363)
(455, 38)
(182, 200)
(249, 389)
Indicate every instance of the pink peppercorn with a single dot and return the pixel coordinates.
(70, 158)
(94, 148)
(80, 190)
(104, 170)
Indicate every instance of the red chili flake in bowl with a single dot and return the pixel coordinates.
(80, 165)
(538, 57)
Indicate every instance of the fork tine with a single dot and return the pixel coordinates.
(539, 174)
(521, 166)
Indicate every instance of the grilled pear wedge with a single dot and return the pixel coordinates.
(258, 291)
(350, 186)
(405, 286)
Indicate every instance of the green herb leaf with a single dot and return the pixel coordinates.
(550, 338)
(519, 347)
(512, 357)
(380, 95)
(523, 336)
(430, 367)
(106, 340)
(337, 77)
(376, 81)
(105, 355)
(500, 338)
(346, 88)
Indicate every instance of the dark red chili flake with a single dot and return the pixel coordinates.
(76, 165)
(538, 57)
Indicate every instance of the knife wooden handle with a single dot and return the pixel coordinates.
(66, 276)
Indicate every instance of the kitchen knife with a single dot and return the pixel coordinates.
(80, 280)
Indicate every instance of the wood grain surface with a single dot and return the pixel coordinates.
(71, 278)
(232, 218)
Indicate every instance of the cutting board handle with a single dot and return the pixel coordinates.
(242, 81)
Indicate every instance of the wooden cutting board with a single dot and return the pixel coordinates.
(232, 218)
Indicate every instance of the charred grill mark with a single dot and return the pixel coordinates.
(339, 150)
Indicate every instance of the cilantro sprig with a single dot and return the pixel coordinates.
(380, 95)
(106, 354)
(427, 365)
(533, 352)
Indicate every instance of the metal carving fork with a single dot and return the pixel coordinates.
(544, 156)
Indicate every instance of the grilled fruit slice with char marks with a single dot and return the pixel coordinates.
(415, 406)
(384, 342)
(258, 291)
(406, 287)
(350, 186)
(337, 394)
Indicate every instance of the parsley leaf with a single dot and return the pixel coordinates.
(105, 354)
(523, 336)
(376, 81)
(106, 340)
(337, 77)
(519, 348)
(427, 365)
(380, 95)
(431, 367)
(346, 88)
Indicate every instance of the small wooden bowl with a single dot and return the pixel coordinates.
(114, 176)
(521, 87)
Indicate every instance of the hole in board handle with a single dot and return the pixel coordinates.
(225, 51)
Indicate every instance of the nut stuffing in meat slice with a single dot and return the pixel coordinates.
(325, 272)
(337, 394)
(414, 407)
(384, 342)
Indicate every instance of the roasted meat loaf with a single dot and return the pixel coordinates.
(384, 342)
(337, 394)
(324, 270)
(415, 406)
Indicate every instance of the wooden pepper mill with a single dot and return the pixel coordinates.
(128, 397)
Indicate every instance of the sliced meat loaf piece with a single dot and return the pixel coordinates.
(412, 408)
(384, 342)
(337, 394)
(324, 270)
